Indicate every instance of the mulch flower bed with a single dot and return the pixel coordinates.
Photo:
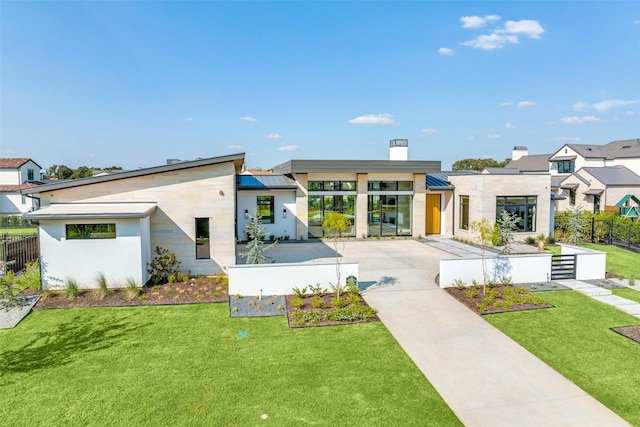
(195, 290)
(315, 310)
(631, 332)
(498, 299)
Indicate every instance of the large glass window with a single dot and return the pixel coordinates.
(572, 197)
(202, 238)
(523, 207)
(331, 186)
(566, 166)
(264, 209)
(90, 231)
(389, 215)
(30, 175)
(464, 212)
(390, 185)
(319, 206)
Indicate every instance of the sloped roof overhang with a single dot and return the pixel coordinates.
(92, 211)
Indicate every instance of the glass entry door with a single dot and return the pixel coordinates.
(389, 215)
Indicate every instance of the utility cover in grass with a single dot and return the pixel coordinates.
(250, 306)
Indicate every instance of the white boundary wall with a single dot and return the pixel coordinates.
(531, 268)
(590, 264)
(280, 279)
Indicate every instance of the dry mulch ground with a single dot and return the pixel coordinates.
(356, 310)
(498, 299)
(631, 332)
(196, 290)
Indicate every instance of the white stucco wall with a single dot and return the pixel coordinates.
(283, 199)
(590, 264)
(531, 268)
(11, 203)
(81, 259)
(280, 279)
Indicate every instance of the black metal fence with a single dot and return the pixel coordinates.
(614, 232)
(16, 250)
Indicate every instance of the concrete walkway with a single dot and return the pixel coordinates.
(603, 295)
(485, 377)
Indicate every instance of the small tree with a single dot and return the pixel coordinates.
(255, 247)
(163, 265)
(575, 225)
(336, 223)
(507, 222)
(483, 235)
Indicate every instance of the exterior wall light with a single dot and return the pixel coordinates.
(284, 213)
(246, 214)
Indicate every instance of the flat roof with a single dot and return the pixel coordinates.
(358, 166)
(93, 211)
(265, 182)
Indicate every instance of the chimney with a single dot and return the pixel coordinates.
(399, 149)
(519, 151)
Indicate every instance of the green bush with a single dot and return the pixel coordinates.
(163, 265)
(71, 289)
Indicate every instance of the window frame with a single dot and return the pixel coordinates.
(203, 238)
(566, 166)
(529, 210)
(31, 175)
(264, 201)
(464, 203)
(87, 234)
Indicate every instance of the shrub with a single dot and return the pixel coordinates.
(354, 299)
(297, 302)
(163, 265)
(471, 293)
(458, 283)
(102, 290)
(300, 292)
(318, 289)
(71, 290)
(338, 303)
(131, 288)
(317, 302)
(529, 240)
(31, 277)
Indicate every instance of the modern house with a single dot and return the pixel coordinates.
(17, 174)
(200, 209)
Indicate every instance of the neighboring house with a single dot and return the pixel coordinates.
(599, 188)
(17, 174)
(112, 223)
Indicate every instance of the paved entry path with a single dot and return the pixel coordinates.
(485, 377)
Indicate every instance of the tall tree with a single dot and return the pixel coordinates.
(478, 164)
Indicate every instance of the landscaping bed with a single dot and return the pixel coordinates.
(201, 289)
(631, 332)
(498, 298)
(323, 310)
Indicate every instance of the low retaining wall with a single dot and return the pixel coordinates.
(520, 268)
(280, 279)
(590, 264)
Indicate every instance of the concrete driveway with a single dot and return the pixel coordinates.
(486, 378)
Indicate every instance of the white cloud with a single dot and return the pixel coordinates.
(579, 106)
(249, 119)
(289, 148)
(494, 136)
(567, 139)
(612, 103)
(510, 125)
(477, 21)
(629, 113)
(526, 27)
(234, 147)
(508, 34)
(188, 119)
(273, 136)
(446, 51)
(430, 130)
(491, 41)
(506, 104)
(377, 119)
(574, 120)
(524, 104)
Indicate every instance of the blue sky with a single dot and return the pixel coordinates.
(134, 83)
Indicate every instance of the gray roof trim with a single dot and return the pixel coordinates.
(93, 211)
(238, 159)
(358, 166)
(569, 186)
(594, 192)
(562, 158)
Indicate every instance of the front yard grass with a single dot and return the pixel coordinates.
(622, 262)
(574, 338)
(187, 365)
(627, 293)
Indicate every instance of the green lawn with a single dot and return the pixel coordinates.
(574, 339)
(629, 294)
(185, 365)
(621, 261)
(14, 231)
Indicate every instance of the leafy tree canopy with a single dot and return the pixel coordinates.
(65, 172)
(478, 164)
